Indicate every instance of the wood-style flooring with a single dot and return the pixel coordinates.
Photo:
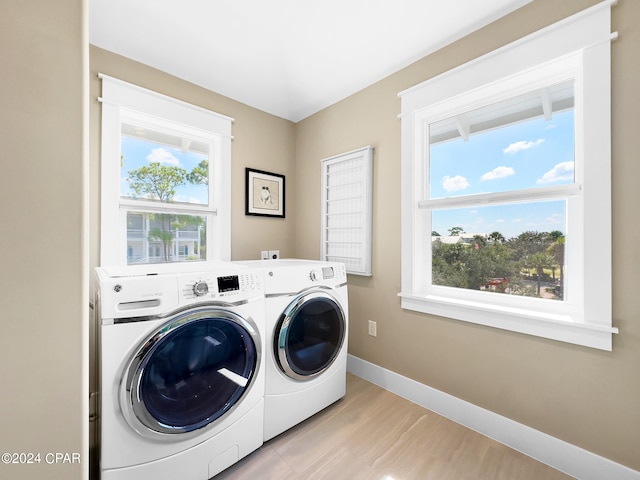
(373, 434)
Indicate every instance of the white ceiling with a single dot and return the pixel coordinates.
(290, 58)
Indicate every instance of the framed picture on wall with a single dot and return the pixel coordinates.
(264, 193)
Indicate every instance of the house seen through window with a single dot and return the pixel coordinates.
(166, 175)
(168, 170)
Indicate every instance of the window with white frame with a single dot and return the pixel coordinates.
(165, 178)
(506, 186)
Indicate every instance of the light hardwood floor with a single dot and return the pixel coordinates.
(373, 434)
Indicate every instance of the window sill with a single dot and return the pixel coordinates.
(540, 324)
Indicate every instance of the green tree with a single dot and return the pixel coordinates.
(160, 182)
(200, 173)
(156, 181)
(447, 267)
(497, 237)
(539, 261)
(556, 251)
(556, 235)
(479, 241)
(528, 243)
(475, 265)
(453, 231)
(162, 231)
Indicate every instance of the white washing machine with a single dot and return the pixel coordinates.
(182, 371)
(306, 339)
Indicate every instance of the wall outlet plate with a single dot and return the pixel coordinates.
(274, 254)
(264, 255)
(373, 328)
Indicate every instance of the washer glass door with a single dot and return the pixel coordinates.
(193, 370)
(309, 335)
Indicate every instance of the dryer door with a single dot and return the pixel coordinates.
(190, 372)
(309, 335)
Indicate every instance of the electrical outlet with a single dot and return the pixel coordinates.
(274, 254)
(264, 255)
(373, 328)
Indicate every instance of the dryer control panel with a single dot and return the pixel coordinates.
(330, 274)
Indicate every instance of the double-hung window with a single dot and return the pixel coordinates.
(165, 179)
(506, 187)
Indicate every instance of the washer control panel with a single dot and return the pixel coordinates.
(209, 286)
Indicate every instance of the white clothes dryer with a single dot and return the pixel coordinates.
(182, 371)
(307, 320)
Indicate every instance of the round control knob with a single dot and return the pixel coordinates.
(200, 288)
(313, 275)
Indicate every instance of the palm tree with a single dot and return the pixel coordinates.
(556, 251)
(497, 237)
(539, 261)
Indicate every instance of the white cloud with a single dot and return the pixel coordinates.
(554, 219)
(561, 172)
(498, 172)
(160, 155)
(453, 184)
(187, 199)
(522, 145)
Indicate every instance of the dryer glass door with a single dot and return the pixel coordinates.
(309, 335)
(192, 371)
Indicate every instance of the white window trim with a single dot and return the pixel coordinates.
(124, 100)
(577, 47)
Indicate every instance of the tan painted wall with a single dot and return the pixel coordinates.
(43, 265)
(589, 398)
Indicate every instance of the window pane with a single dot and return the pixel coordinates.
(165, 237)
(516, 249)
(164, 167)
(521, 143)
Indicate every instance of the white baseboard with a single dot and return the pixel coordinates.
(563, 456)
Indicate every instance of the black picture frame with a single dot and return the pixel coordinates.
(264, 193)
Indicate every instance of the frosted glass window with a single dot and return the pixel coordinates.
(347, 210)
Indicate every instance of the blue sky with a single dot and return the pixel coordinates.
(531, 154)
(137, 152)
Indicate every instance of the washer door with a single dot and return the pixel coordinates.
(190, 372)
(309, 335)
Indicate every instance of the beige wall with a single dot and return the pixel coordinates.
(43, 265)
(587, 397)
